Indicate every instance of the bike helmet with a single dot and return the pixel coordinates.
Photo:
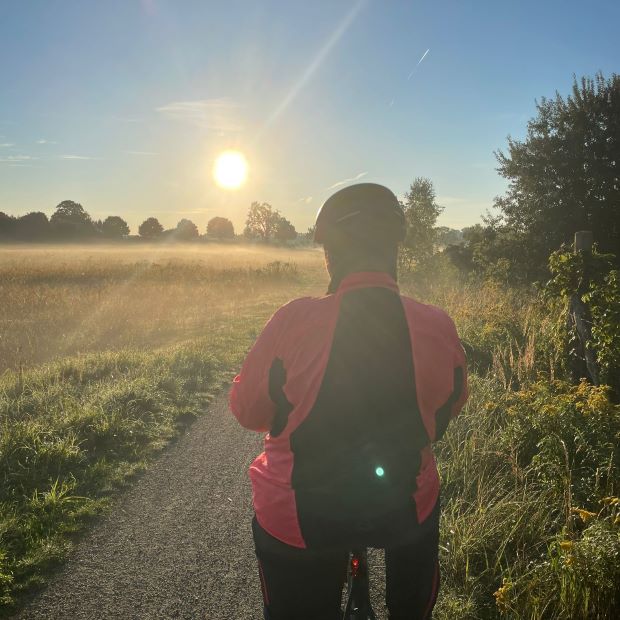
(366, 211)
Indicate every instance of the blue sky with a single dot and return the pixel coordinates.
(123, 105)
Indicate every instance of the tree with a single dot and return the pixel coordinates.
(7, 226)
(114, 227)
(445, 236)
(563, 177)
(285, 231)
(221, 228)
(150, 228)
(33, 226)
(421, 212)
(70, 220)
(186, 230)
(262, 221)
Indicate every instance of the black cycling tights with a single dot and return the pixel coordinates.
(303, 584)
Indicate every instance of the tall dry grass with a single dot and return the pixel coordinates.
(60, 301)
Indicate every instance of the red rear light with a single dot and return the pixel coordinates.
(355, 566)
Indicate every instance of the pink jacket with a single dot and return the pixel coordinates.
(299, 337)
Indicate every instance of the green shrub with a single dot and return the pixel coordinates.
(520, 470)
(592, 277)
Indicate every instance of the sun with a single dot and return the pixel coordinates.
(230, 170)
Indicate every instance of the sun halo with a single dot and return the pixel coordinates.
(230, 170)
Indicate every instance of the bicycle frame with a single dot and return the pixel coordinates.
(358, 606)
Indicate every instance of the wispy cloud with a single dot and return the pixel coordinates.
(357, 177)
(145, 153)
(419, 63)
(211, 114)
(78, 157)
(17, 158)
(44, 141)
(6, 144)
(307, 200)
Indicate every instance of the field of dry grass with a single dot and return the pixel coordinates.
(66, 300)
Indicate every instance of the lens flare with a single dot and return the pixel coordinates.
(380, 472)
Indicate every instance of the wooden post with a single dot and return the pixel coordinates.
(580, 315)
(583, 241)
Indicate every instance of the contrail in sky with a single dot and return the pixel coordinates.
(419, 61)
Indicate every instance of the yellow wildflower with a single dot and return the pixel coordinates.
(566, 545)
(502, 595)
(611, 501)
(584, 515)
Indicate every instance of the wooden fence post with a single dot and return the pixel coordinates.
(583, 241)
(586, 365)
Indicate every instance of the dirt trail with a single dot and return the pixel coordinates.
(177, 544)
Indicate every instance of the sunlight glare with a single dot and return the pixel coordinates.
(230, 170)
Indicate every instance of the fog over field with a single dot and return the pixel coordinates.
(63, 300)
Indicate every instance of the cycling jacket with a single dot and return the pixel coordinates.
(352, 388)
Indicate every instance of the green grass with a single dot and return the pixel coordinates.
(75, 431)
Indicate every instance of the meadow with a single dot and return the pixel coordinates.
(68, 300)
(108, 353)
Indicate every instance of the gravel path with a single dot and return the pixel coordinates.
(177, 544)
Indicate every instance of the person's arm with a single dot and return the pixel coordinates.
(460, 392)
(250, 400)
(460, 363)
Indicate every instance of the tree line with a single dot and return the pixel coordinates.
(564, 176)
(71, 222)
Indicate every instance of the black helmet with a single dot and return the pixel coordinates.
(366, 211)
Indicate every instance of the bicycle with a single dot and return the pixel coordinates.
(358, 606)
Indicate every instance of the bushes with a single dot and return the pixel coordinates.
(591, 278)
(527, 476)
(577, 578)
(566, 437)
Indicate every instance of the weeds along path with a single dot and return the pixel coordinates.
(177, 544)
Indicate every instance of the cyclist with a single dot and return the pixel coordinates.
(353, 388)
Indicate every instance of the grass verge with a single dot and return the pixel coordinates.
(76, 430)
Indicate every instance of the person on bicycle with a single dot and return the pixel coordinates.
(352, 388)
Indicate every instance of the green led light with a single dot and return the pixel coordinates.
(380, 471)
